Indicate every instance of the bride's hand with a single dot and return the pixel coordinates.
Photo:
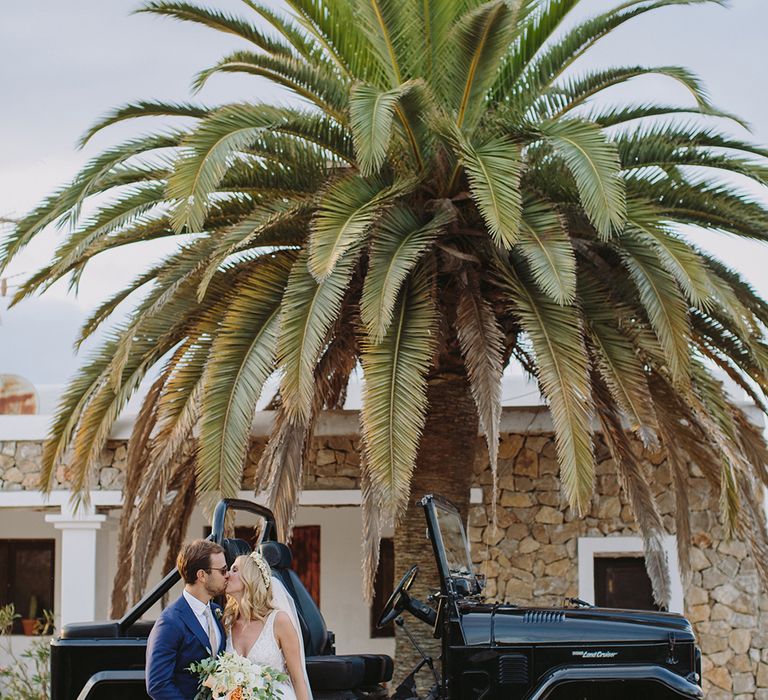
(289, 644)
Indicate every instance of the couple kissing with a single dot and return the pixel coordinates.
(259, 622)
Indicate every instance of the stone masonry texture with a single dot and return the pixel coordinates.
(531, 557)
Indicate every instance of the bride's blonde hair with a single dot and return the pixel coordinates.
(256, 601)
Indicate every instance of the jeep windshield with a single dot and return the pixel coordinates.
(450, 543)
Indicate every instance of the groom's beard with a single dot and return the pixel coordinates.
(214, 591)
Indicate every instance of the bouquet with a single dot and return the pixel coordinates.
(233, 677)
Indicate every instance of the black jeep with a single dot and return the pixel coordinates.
(488, 650)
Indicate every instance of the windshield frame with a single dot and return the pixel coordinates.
(431, 504)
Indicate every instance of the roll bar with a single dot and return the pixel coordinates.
(217, 535)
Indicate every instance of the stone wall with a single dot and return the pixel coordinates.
(334, 464)
(532, 557)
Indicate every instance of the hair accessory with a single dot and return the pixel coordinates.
(266, 574)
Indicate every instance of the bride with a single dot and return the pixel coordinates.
(261, 629)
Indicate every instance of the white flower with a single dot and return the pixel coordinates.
(232, 675)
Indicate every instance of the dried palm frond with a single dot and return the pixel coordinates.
(183, 508)
(634, 481)
(371, 534)
(279, 469)
(135, 466)
(482, 344)
(172, 514)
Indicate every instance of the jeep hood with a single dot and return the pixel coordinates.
(496, 624)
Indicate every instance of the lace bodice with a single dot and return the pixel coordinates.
(265, 650)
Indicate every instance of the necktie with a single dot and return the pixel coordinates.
(211, 630)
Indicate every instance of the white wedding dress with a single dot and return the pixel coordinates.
(265, 651)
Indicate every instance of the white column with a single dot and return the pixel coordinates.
(78, 556)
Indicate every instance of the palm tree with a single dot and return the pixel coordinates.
(445, 197)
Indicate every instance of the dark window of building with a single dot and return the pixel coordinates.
(622, 582)
(305, 548)
(27, 577)
(382, 589)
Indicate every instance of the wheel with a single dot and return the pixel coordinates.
(399, 598)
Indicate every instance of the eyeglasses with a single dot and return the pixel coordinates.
(222, 570)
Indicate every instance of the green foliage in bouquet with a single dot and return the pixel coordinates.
(230, 676)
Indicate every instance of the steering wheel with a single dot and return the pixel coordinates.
(399, 599)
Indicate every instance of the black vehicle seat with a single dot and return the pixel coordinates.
(233, 548)
(326, 671)
(316, 639)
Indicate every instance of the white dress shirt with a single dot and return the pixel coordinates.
(198, 607)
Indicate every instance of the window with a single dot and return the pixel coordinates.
(622, 582)
(305, 547)
(383, 587)
(27, 576)
(613, 562)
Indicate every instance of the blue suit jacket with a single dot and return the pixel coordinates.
(176, 641)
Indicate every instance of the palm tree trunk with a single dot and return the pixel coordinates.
(444, 466)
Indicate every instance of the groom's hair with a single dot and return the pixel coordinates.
(194, 556)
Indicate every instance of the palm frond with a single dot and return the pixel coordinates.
(716, 206)
(494, 169)
(557, 56)
(480, 40)
(313, 82)
(556, 335)
(618, 363)
(635, 483)
(575, 92)
(299, 40)
(134, 471)
(400, 240)
(661, 297)
(242, 359)
(347, 210)
(370, 533)
(615, 115)
(387, 27)
(209, 151)
(482, 344)
(280, 468)
(680, 259)
(64, 204)
(135, 205)
(537, 27)
(220, 21)
(395, 393)
(594, 163)
(371, 118)
(546, 247)
(144, 108)
(253, 230)
(350, 51)
(310, 309)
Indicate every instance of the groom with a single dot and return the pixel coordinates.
(189, 629)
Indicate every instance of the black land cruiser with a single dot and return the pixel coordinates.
(489, 651)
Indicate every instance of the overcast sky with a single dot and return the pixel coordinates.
(63, 64)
